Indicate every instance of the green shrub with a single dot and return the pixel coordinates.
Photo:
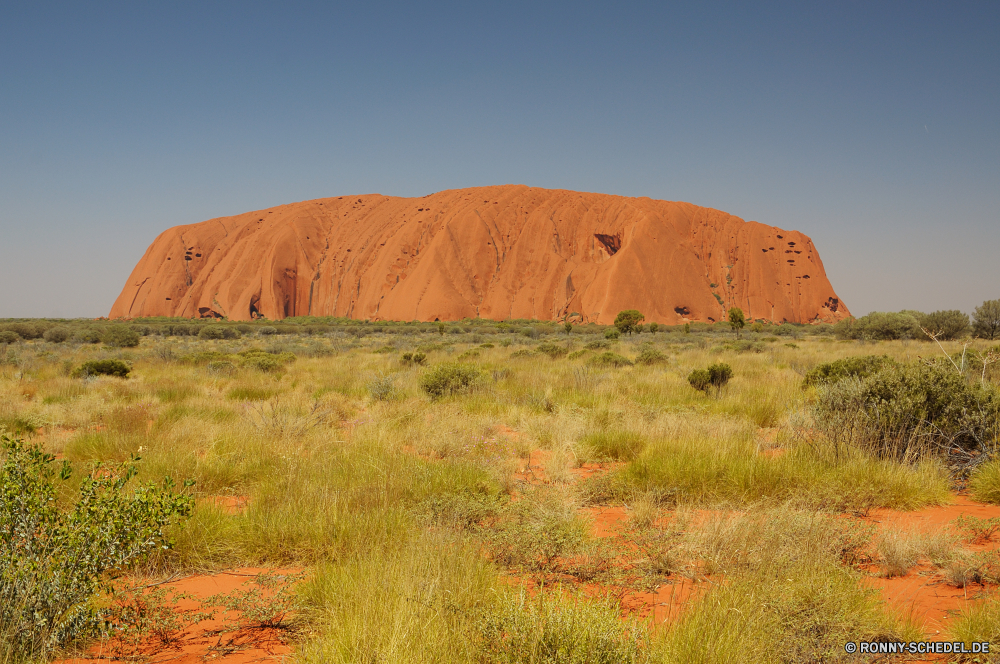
(244, 329)
(610, 359)
(8, 337)
(120, 336)
(452, 378)
(653, 327)
(716, 375)
(552, 350)
(267, 330)
(218, 332)
(849, 367)
(597, 345)
(558, 628)
(618, 445)
(87, 335)
(102, 368)
(911, 409)
(650, 356)
(56, 561)
(57, 335)
(880, 325)
(745, 346)
(261, 360)
(26, 331)
(612, 334)
(409, 359)
(383, 388)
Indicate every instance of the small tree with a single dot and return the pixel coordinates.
(986, 320)
(441, 328)
(653, 327)
(568, 327)
(627, 321)
(946, 324)
(736, 320)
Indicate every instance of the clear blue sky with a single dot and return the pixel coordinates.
(872, 127)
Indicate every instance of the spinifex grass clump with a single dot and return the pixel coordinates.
(55, 559)
(559, 627)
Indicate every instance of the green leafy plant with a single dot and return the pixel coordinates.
(716, 375)
(736, 320)
(653, 327)
(610, 359)
(628, 321)
(986, 320)
(218, 332)
(410, 359)
(650, 356)
(450, 378)
(57, 335)
(56, 561)
(849, 367)
(120, 336)
(552, 350)
(9, 337)
(117, 368)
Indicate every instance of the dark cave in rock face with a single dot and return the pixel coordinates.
(611, 242)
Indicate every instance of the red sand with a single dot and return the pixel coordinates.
(202, 642)
(498, 253)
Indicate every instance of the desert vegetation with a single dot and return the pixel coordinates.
(434, 492)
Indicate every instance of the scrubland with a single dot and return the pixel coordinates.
(446, 517)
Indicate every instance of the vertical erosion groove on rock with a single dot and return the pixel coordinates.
(490, 252)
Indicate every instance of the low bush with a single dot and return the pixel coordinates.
(716, 375)
(56, 560)
(263, 361)
(410, 359)
(383, 388)
(57, 335)
(849, 367)
(26, 331)
(218, 332)
(650, 356)
(879, 326)
(905, 411)
(612, 334)
(102, 368)
(267, 330)
(554, 351)
(120, 336)
(597, 345)
(9, 337)
(448, 379)
(610, 359)
(88, 336)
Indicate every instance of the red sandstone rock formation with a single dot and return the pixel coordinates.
(489, 252)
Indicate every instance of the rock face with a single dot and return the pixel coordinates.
(489, 252)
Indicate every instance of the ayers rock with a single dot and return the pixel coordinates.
(488, 252)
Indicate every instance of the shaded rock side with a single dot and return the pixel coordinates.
(489, 252)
